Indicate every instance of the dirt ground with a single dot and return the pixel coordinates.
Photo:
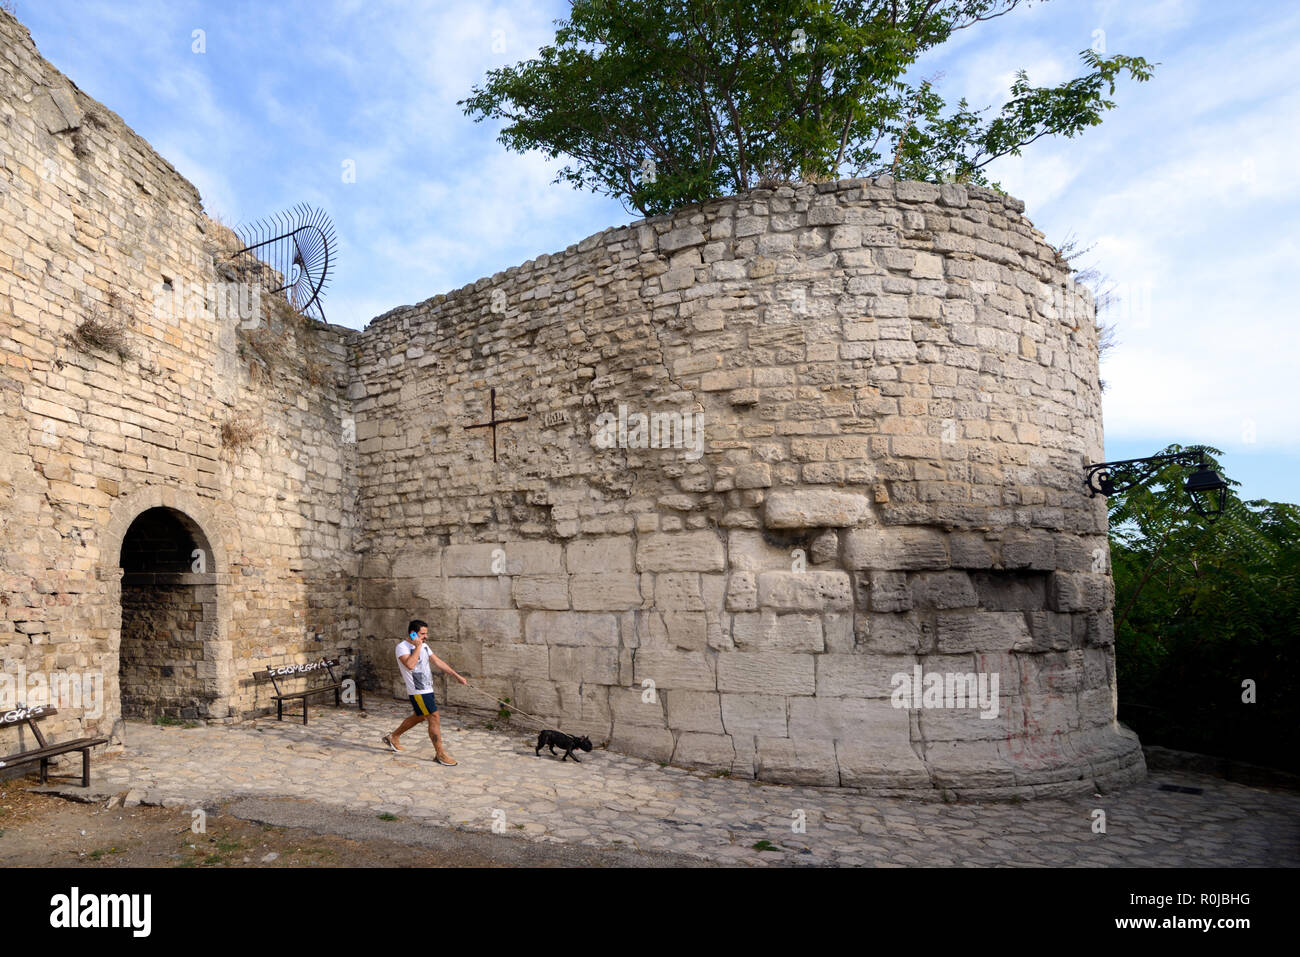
(43, 830)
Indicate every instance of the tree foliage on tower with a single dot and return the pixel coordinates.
(663, 103)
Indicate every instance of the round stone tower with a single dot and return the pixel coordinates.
(855, 547)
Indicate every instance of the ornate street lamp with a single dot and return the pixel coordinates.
(1205, 487)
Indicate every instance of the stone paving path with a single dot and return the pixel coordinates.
(613, 799)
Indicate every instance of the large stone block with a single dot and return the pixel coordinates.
(479, 592)
(943, 590)
(883, 762)
(681, 238)
(969, 723)
(970, 764)
(1045, 713)
(615, 591)
(682, 630)
(754, 714)
(502, 558)
(895, 549)
(580, 629)
(770, 672)
(972, 550)
(1080, 591)
(698, 711)
(490, 625)
(678, 591)
(599, 555)
(516, 661)
(886, 591)
(1096, 708)
(695, 750)
(860, 676)
(686, 670)
(630, 707)
(420, 562)
(584, 708)
(982, 631)
(580, 665)
(1003, 590)
(825, 719)
(652, 743)
(1051, 630)
(1030, 549)
(542, 591)
(795, 761)
(700, 551)
(768, 631)
(742, 591)
(805, 591)
(748, 551)
(816, 508)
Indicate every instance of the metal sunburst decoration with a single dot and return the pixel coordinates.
(300, 246)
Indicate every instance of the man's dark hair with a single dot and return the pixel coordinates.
(416, 625)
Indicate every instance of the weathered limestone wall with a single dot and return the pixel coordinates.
(895, 379)
(92, 222)
(871, 402)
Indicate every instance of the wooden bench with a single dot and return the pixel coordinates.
(305, 671)
(46, 749)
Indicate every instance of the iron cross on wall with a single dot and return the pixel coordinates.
(493, 422)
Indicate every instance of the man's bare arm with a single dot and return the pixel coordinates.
(412, 661)
(448, 669)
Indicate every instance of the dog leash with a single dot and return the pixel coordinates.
(540, 723)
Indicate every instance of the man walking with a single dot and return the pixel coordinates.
(413, 660)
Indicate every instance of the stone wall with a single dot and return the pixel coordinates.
(898, 389)
(94, 225)
(769, 455)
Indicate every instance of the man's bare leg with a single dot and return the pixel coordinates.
(411, 721)
(435, 734)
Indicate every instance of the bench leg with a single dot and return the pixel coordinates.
(279, 711)
(45, 770)
(360, 706)
(85, 768)
(304, 710)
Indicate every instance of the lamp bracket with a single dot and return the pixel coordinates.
(1107, 478)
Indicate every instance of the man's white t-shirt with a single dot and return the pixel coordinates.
(419, 681)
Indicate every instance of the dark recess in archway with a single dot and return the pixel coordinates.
(168, 617)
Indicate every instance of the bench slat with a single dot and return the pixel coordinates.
(50, 750)
(303, 694)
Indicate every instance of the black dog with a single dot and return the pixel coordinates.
(549, 739)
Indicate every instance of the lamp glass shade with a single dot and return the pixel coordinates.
(1208, 492)
(1205, 480)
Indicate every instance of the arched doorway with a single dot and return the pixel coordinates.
(167, 659)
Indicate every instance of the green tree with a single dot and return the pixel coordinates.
(668, 102)
(1201, 607)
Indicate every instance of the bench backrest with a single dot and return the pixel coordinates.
(29, 716)
(37, 713)
(278, 672)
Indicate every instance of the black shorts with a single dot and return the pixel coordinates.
(424, 703)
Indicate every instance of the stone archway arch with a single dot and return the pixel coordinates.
(221, 532)
(212, 531)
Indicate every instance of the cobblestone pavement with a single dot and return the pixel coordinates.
(616, 800)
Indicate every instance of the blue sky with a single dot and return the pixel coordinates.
(1187, 191)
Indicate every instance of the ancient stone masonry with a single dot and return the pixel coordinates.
(117, 385)
(763, 468)
(896, 387)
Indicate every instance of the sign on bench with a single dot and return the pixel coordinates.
(300, 671)
(46, 749)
